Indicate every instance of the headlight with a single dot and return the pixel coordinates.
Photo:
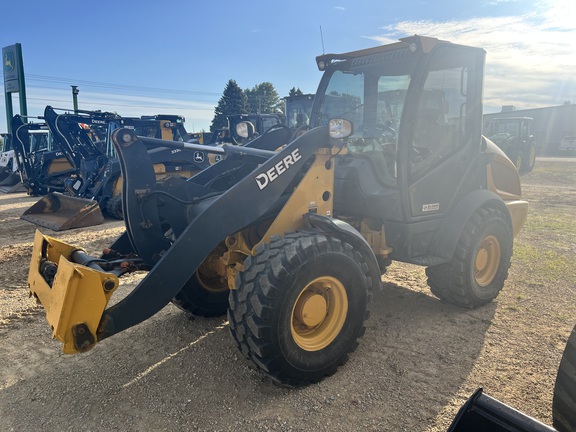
(340, 128)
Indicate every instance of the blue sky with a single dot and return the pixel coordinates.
(176, 56)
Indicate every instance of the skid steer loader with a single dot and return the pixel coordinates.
(94, 183)
(290, 236)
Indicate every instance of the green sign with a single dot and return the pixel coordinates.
(11, 67)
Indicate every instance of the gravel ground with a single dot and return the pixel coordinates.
(418, 362)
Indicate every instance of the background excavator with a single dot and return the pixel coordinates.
(93, 181)
(290, 233)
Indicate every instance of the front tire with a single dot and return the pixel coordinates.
(300, 306)
(529, 159)
(477, 272)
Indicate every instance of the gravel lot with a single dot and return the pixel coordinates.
(418, 362)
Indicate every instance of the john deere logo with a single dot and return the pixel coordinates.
(8, 61)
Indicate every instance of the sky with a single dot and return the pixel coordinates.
(176, 56)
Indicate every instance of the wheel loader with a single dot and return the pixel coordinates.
(93, 182)
(290, 234)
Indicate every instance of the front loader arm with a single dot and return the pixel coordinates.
(171, 227)
(219, 216)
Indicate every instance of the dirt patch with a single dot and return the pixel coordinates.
(419, 360)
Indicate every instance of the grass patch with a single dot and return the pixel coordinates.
(545, 264)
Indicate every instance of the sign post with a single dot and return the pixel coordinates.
(13, 68)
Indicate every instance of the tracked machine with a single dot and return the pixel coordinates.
(290, 236)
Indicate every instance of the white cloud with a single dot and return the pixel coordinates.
(530, 58)
(340, 8)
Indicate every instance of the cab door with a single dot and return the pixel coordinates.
(444, 131)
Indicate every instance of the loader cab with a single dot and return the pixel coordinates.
(416, 111)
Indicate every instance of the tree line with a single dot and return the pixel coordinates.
(260, 99)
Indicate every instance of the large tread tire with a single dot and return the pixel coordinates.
(564, 400)
(206, 292)
(479, 268)
(264, 317)
(114, 207)
(529, 159)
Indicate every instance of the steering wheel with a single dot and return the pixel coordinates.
(299, 131)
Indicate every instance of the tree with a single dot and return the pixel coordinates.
(295, 92)
(263, 99)
(233, 101)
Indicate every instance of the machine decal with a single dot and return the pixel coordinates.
(198, 157)
(277, 170)
(431, 207)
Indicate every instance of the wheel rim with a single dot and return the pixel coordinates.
(487, 261)
(210, 272)
(319, 313)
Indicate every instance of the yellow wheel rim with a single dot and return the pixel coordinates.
(487, 261)
(211, 273)
(319, 313)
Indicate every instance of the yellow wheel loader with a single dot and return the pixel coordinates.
(290, 235)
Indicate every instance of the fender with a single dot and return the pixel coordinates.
(444, 242)
(351, 235)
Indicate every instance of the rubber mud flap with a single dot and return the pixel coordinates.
(61, 212)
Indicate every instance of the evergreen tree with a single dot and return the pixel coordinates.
(263, 99)
(233, 101)
(295, 92)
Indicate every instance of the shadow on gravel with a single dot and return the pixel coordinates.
(175, 373)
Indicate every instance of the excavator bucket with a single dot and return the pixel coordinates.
(11, 183)
(61, 212)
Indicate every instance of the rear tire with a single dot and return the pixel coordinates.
(564, 400)
(477, 272)
(206, 292)
(300, 306)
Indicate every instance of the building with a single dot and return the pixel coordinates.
(550, 124)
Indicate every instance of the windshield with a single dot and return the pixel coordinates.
(379, 116)
(509, 127)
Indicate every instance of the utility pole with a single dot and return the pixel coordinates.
(75, 92)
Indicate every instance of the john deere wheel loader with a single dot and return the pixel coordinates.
(291, 236)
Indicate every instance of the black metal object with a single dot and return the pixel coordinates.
(482, 413)
(564, 401)
(34, 164)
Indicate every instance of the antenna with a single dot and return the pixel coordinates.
(322, 39)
